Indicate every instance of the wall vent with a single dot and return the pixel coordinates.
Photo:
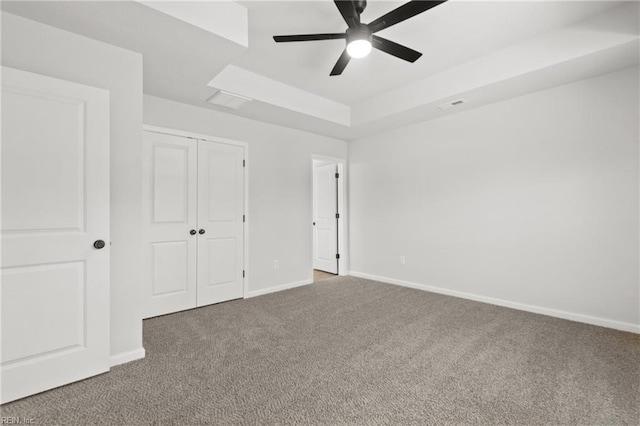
(452, 104)
(228, 100)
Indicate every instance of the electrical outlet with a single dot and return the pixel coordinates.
(402, 260)
(276, 264)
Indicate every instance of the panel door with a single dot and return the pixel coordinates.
(55, 205)
(220, 222)
(326, 227)
(170, 210)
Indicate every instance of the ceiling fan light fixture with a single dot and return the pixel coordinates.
(359, 48)
(359, 42)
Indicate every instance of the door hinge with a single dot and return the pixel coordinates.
(243, 218)
(337, 255)
(337, 215)
(243, 274)
(337, 175)
(244, 163)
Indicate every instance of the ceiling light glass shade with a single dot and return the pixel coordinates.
(359, 48)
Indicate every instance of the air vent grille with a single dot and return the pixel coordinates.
(228, 100)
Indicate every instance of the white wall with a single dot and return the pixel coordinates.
(280, 186)
(31, 46)
(530, 202)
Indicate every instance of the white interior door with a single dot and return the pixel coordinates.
(325, 230)
(55, 205)
(220, 222)
(170, 207)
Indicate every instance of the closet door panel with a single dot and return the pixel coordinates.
(171, 211)
(220, 222)
(222, 261)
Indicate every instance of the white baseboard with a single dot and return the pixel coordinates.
(603, 322)
(125, 357)
(279, 288)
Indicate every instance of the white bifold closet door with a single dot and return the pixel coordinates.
(195, 234)
(55, 233)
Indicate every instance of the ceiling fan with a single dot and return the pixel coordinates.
(361, 37)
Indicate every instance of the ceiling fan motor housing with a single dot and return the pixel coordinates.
(361, 32)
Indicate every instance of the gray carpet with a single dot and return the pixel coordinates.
(352, 351)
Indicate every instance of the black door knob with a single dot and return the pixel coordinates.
(192, 232)
(201, 231)
(98, 244)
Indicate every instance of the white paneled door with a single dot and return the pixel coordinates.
(195, 231)
(325, 228)
(55, 233)
(220, 222)
(170, 188)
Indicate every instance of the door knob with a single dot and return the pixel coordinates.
(98, 244)
(192, 232)
(201, 231)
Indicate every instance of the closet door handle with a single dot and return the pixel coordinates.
(192, 232)
(201, 231)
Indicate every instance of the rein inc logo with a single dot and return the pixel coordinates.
(17, 421)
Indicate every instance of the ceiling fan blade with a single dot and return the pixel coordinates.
(406, 11)
(343, 60)
(395, 49)
(348, 11)
(308, 37)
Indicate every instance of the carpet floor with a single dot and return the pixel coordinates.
(353, 351)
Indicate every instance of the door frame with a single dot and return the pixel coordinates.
(343, 225)
(209, 138)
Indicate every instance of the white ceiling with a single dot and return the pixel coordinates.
(447, 35)
(481, 51)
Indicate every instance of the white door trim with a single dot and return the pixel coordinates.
(199, 136)
(343, 222)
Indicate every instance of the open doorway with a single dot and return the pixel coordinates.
(327, 220)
